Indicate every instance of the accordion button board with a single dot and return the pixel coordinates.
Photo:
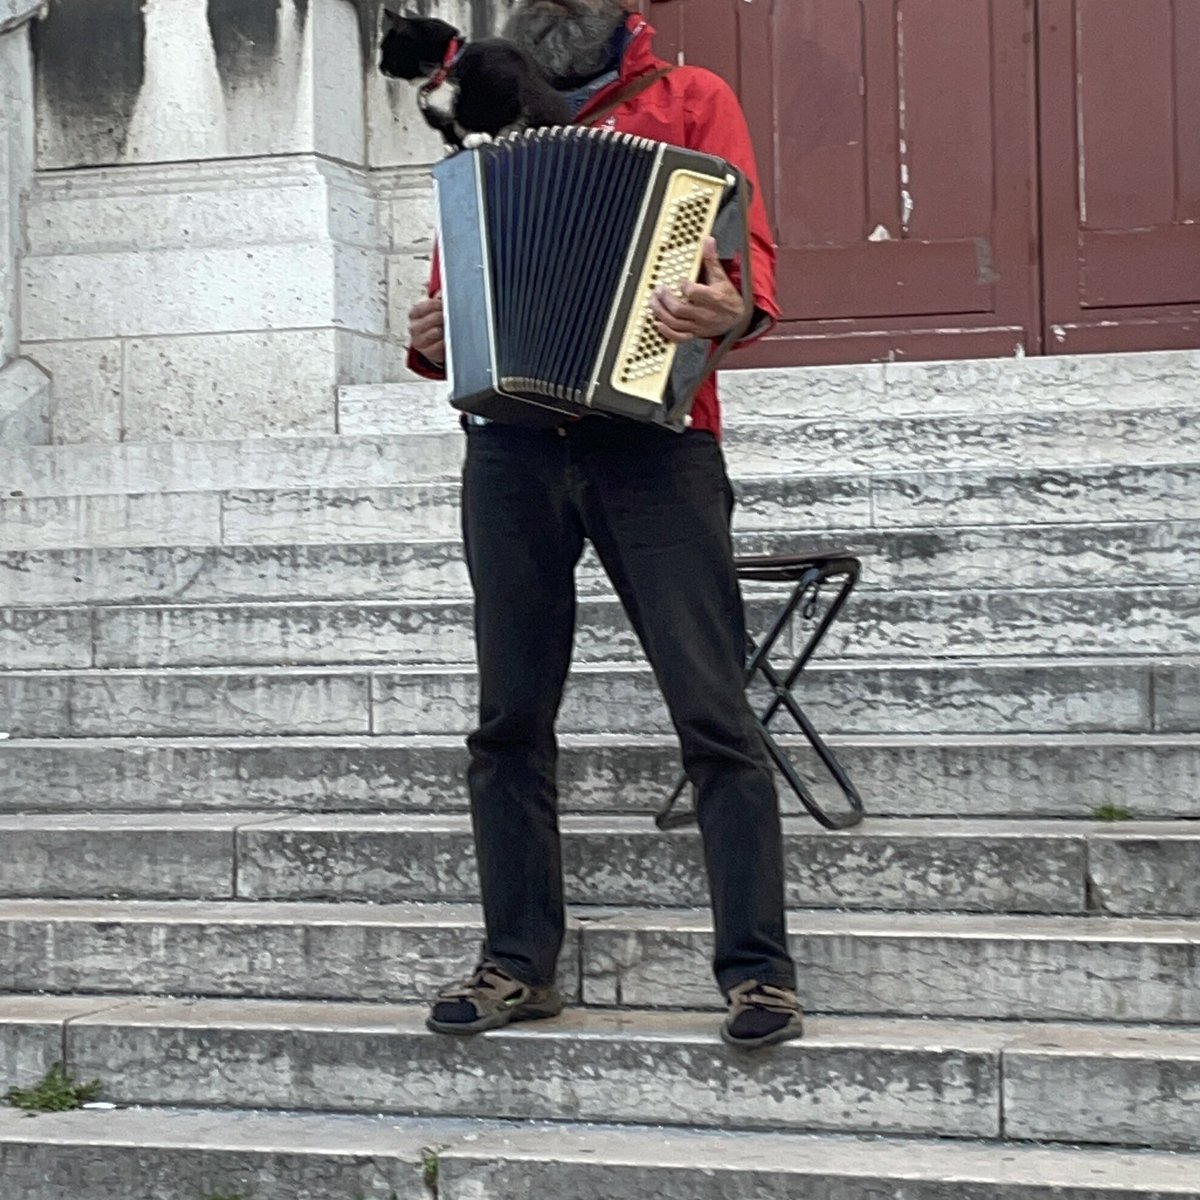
(553, 242)
(686, 219)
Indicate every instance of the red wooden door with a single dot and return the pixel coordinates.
(896, 143)
(1120, 87)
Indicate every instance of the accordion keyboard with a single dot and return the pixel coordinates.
(645, 359)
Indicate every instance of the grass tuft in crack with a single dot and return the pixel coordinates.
(429, 1163)
(58, 1092)
(1112, 812)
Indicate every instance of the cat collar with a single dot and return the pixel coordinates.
(453, 51)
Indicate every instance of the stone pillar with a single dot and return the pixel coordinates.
(206, 253)
(24, 389)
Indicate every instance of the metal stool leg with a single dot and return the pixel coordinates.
(758, 663)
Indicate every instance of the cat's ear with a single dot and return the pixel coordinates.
(398, 20)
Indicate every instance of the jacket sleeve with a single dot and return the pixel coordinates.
(717, 125)
(416, 362)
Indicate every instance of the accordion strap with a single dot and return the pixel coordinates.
(635, 87)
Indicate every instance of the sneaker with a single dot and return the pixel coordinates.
(761, 1016)
(490, 999)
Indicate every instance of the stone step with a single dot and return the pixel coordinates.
(1102, 1084)
(1055, 383)
(809, 504)
(958, 965)
(180, 1154)
(994, 557)
(1034, 695)
(1123, 868)
(791, 446)
(770, 446)
(1069, 775)
(135, 468)
(1150, 620)
(627, 1164)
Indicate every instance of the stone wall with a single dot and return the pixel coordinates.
(23, 388)
(231, 213)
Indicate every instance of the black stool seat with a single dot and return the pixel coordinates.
(807, 572)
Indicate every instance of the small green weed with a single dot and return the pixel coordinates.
(226, 1196)
(1112, 812)
(429, 1160)
(58, 1092)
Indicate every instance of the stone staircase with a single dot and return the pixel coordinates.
(234, 678)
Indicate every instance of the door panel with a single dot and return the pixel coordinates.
(895, 144)
(902, 146)
(1121, 173)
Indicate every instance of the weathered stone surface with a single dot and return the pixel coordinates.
(1019, 440)
(225, 464)
(910, 1077)
(1077, 493)
(415, 406)
(922, 775)
(24, 402)
(1137, 1087)
(1177, 696)
(1145, 868)
(74, 856)
(300, 515)
(971, 559)
(229, 384)
(187, 84)
(1061, 381)
(622, 1164)
(971, 866)
(174, 1154)
(423, 633)
(86, 379)
(911, 390)
(292, 635)
(1035, 968)
(66, 521)
(347, 951)
(1030, 697)
(31, 1034)
(16, 163)
(102, 704)
(1160, 621)
(33, 638)
(181, 291)
(1152, 621)
(198, 574)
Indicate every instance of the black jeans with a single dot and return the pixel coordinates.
(656, 505)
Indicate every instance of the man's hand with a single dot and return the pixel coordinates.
(427, 330)
(709, 309)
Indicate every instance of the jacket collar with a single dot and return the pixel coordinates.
(639, 59)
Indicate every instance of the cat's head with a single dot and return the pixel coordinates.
(413, 46)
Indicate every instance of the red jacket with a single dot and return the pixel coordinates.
(693, 108)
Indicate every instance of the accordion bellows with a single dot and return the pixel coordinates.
(553, 242)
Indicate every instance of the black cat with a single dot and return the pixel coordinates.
(497, 87)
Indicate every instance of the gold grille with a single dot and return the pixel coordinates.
(686, 218)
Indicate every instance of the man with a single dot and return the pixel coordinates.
(656, 506)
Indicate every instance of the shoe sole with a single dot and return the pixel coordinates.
(791, 1032)
(495, 1020)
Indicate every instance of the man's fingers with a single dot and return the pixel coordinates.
(714, 270)
(674, 335)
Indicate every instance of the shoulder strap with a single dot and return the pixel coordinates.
(635, 87)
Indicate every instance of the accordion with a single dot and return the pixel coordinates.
(553, 242)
